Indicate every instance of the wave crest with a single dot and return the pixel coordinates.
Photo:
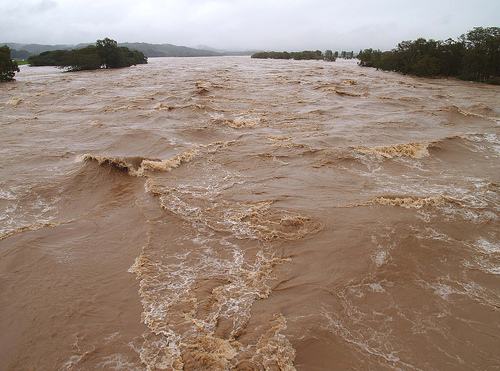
(472, 114)
(414, 149)
(30, 227)
(138, 166)
(409, 202)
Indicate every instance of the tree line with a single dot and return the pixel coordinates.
(104, 54)
(303, 55)
(474, 56)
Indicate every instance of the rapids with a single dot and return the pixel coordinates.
(228, 213)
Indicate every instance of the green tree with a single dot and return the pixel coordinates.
(426, 66)
(48, 58)
(82, 59)
(110, 54)
(260, 55)
(8, 67)
(451, 56)
(329, 56)
(482, 54)
(366, 58)
(133, 57)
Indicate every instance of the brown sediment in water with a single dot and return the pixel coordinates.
(236, 123)
(232, 213)
(415, 150)
(409, 202)
(342, 93)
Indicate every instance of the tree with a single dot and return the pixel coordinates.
(110, 54)
(133, 57)
(260, 55)
(482, 54)
(451, 56)
(8, 67)
(329, 56)
(366, 58)
(426, 66)
(49, 58)
(82, 59)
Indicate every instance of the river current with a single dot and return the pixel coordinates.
(229, 213)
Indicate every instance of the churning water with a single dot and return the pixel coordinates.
(228, 213)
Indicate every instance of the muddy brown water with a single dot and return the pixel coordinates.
(228, 213)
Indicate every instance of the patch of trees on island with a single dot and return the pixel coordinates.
(475, 56)
(303, 55)
(104, 54)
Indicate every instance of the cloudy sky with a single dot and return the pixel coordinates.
(245, 24)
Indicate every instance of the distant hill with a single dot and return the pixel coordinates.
(225, 52)
(168, 50)
(25, 50)
(22, 51)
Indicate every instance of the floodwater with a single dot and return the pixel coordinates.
(229, 213)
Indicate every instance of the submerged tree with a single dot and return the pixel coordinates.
(8, 67)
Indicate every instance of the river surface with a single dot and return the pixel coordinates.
(228, 213)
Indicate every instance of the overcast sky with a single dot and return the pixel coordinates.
(245, 24)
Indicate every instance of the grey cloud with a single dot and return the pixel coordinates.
(45, 5)
(240, 24)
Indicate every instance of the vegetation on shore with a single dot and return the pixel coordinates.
(475, 56)
(104, 54)
(8, 67)
(303, 55)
